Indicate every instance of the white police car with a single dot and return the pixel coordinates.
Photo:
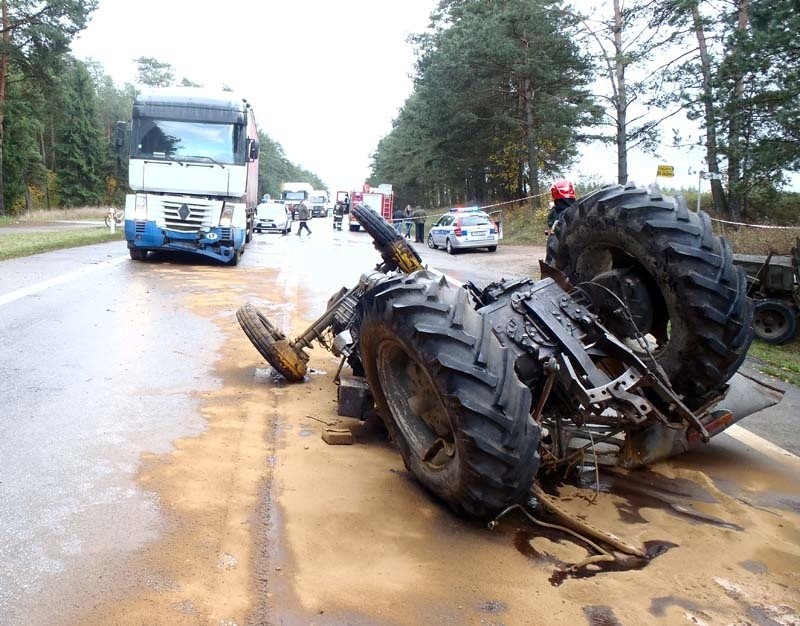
(464, 228)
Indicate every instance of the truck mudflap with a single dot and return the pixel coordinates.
(217, 243)
(745, 396)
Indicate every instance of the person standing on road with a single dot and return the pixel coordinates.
(409, 220)
(338, 215)
(563, 194)
(397, 220)
(303, 214)
(419, 216)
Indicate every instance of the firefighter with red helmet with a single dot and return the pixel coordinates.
(563, 194)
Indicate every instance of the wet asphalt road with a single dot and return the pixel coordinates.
(99, 365)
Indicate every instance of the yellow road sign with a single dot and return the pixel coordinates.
(666, 170)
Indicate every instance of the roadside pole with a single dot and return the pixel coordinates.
(699, 183)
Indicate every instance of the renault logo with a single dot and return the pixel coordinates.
(183, 212)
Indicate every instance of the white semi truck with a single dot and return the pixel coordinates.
(292, 194)
(193, 172)
(319, 203)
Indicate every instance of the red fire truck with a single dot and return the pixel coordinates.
(380, 199)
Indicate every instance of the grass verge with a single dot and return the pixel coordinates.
(782, 362)
(13, 245)
(42, 216)
(759, 241)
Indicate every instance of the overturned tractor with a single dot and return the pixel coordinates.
(621, 354)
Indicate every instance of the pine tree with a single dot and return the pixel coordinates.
(81, 156)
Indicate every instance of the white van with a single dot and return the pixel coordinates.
(273, 217)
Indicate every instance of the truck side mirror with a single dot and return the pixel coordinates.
(119, 136)
(253, 149)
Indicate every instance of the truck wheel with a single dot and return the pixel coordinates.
(448, 393)
(271, 343)
(137, 254)
(677, 277)
(237, 256)
(774, 321)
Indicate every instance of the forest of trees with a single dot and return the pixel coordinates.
(58, 114)
(506, 95)
(506, 92)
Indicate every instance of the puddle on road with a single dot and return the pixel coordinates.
(659, 606)
(524, 543)
(634, 491)
(647, 489)
(601, 616)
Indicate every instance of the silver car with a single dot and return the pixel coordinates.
(459, 230)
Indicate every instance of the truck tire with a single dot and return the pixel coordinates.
(696, 299)
(774, 321)
(137, 254)
(271, 343)
(448, 393)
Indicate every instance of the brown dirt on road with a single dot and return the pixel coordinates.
(271, 525)
(209, 487)
(362, 543)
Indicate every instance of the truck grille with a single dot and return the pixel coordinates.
(188, 217)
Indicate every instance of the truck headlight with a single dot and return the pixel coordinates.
(140, 210)
(226, 217)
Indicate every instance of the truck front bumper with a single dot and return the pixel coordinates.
(215, 242)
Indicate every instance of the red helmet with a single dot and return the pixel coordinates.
(562, 189)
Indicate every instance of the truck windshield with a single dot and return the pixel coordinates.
(188, 141)
(294, 195)
(318, 199)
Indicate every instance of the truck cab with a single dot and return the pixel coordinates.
(194, 173)
(319, 203)
(292, 194)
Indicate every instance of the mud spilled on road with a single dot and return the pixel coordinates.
(635, 491)
(524, 543)
(270, 525)
(201, 571)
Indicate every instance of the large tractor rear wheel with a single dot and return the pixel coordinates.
(676, 276)
(448, 393)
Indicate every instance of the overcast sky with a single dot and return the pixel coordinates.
(325, 77)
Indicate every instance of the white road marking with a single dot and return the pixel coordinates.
(58, 280)
(751, 440)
